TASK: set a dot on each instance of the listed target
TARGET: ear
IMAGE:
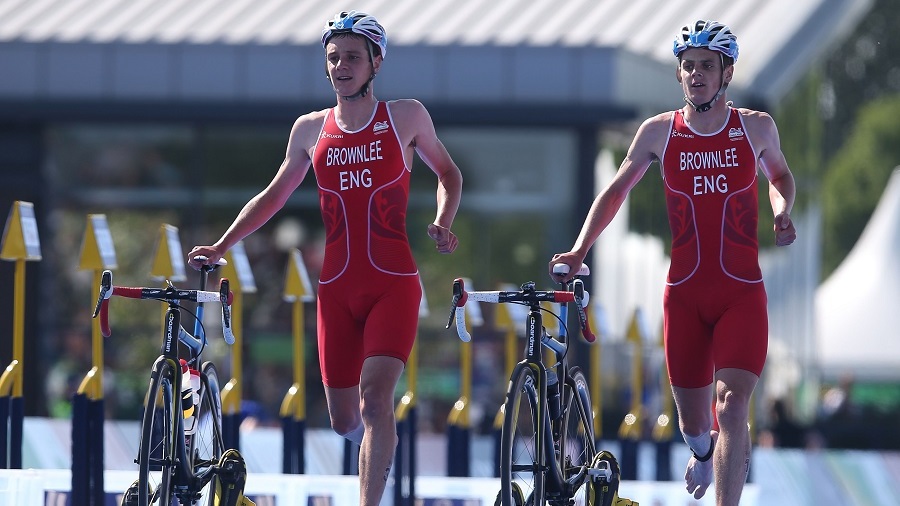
(678, 74)
(376, 64)
(729, 74)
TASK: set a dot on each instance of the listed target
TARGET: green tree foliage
(838, 129)
(800, 128)
(857, 176)
(862, 69)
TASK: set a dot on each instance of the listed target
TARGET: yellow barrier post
(97, 255)
(459, 423)
(168, 261)
(663, 430)
(510, 318)
(241, 278)
(600, 324)
(405, 416)
(298, 291)
(20, 244)
(630, 431)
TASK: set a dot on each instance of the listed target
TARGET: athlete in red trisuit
(362, 152)
(715, 321)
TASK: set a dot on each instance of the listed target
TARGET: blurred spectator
(837, 400)
(782, 429)
(842, 422)
(64, 376)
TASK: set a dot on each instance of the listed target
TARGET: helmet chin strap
(707, 105)
(363, 91)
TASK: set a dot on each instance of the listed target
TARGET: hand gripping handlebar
(170, 293)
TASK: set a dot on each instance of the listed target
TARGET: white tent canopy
(858, 306)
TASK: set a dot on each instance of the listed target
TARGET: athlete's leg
(379, 379)
(689, 358)
(695, 422)
(734, 388)
(740, 342)
(343, 410)
(340, 360)
(390, 330)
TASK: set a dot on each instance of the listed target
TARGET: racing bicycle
(547, 449)
(175, 464)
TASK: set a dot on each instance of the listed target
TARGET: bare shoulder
(650, 140)
(412, 121)
(407, 109)
(756, 120)
(312, 119)
(760, 126)
(657, 125)
(307, 127)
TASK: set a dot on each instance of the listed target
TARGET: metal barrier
(97, 255)
(459, 427)
(663, 429)
(20, 244)
(631, 430)
(509, 318)
(600, 323)
(407, 432)
(298, 291)
(241, 277)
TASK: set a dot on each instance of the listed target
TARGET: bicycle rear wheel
(521, 444)
(206, 446)
(156, 454)
(576, 438)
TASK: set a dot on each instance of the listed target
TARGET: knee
(353, 434)
(376, 406)
(345, 426)
(733, 410)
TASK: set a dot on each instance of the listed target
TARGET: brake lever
(105, 290)
(454, 303)
(582, 297)
(225, 300)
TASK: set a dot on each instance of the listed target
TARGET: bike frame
(190, 469)
(553, 469)
(185, 481)
(534, 359)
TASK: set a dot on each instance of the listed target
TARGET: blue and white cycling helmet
(707, 35)
(359, 23)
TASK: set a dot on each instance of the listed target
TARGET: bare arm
(782, 189)
(645, 148)
(269, 201)
(423, 138)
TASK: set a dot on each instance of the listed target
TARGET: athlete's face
(700, 74)
(347, 63)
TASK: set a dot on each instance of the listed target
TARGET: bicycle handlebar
(461, 296)
(225, 296)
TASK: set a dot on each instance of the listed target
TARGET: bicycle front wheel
(576, 438)
(156, 454)
(206, 446)
(521, 444)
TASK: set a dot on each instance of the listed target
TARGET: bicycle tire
(206, 444)
(522, 447)
(156, 454)
(576, 440)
